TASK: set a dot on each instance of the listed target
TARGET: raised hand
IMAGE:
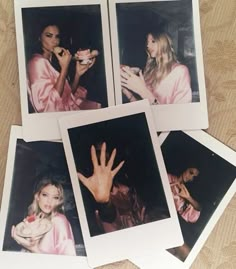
(82, 68)
(184, 193)
(64, 58)
(133, 82)
(100, 183)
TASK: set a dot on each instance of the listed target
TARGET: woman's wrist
(75, 82)
(148, 95)
(64, 70)
(131, 98)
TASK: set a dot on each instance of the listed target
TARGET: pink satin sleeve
(60, 239)
(182, 90)
(175, 88)
(42, 80)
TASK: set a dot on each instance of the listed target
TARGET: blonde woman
(164, 80)
(48, 203)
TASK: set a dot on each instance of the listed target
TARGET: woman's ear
(36, 197)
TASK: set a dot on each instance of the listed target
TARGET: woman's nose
(49, 200)
(55, 41)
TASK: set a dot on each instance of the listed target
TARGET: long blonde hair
(159, 67)
(44, 182)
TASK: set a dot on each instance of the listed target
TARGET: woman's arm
(100, 183)
(31, 244)
(136, 84)
(184, 193)
(80, 69)
(63, 238)
(64, 58)
(43, 80)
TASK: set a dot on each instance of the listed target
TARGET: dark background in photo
(136, 20)
(80, 28)
(130, 136)
(33, 160)
(180, 152)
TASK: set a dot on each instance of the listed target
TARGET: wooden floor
(218, 24)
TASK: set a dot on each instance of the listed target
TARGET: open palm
(100, 183)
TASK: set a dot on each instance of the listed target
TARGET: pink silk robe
(60, 239)
(186, 211)
(43, 96)
(175, 88)
(129, 210)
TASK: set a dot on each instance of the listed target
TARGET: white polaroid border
(21, 260)
(44, 126)
(174, 116)
(155, 235)
(17, 258)
(162, 259)
(228, 155)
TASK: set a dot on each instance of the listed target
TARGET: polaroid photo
(64, 59)
(202, 173)
(120, 183)
(38, 210)
(157, 55)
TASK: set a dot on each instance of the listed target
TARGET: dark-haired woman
(49, 90)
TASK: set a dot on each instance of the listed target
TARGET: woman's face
(152, 46)
(50, 38)
(189, 174)
(48, 199)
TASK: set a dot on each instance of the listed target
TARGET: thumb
(58, 52)
(57, 56)
(82, 178)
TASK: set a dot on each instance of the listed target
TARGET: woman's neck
(47, 55)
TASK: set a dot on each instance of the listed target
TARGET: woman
(118, 206)
(49, 90)
(164, 81)
(187, 207)
(48, 203)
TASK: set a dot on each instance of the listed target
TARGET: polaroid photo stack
(86, 25)
(85, 68)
